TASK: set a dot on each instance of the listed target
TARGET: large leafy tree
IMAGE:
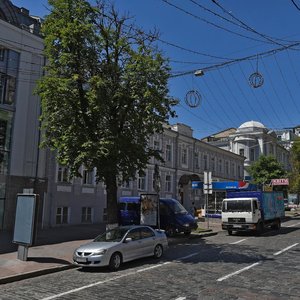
(265, 169)
(104, 92)
(294, 177)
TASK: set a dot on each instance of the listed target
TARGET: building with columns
(252, 139)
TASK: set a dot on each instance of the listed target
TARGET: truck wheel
(278, 226)
(260, 228)
(229, 232)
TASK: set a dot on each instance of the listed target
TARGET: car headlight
(100, 252)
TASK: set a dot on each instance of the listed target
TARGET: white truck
(252, 211)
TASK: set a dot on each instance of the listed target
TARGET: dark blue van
(173, 216)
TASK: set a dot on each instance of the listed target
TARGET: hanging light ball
(256, 80)
(193, 98)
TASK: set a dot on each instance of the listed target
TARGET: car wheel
(187, 233)
(230, 232)
(170, 231)
(158, 251)
(115, 261)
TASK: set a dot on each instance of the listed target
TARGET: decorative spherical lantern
(256, 80)
(193, 98)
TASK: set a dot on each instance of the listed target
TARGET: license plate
(81, 259)
(237, 226)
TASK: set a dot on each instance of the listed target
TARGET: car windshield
(177, 208)
(237, 206)
(113, 235)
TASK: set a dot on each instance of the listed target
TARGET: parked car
(174, 218)
(120, 245)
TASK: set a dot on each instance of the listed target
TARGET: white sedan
(121, 244)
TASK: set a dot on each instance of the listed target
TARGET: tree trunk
(111, 201)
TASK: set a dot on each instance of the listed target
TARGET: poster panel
(25, 219)
(149, 209)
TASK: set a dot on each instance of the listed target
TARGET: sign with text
(281, 181)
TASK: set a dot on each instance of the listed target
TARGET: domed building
(251, 139)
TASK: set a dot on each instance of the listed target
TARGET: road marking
(181, 298)
(238, 272)
(104, 281)
(238, 242)
(285, 249)
(188, 256)
(293, 225)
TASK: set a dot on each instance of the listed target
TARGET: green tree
(104, 93)
(294, 178)
(265, 169)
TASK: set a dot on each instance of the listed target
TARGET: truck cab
(240, 214)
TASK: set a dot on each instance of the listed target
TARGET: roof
(252, 124)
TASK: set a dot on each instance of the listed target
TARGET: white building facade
(22, 164)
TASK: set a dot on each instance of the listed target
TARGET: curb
(37, 273)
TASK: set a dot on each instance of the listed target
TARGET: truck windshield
(237, 205)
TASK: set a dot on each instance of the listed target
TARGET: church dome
(252, 124)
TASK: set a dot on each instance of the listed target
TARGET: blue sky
(205, 36)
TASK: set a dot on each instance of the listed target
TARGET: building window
(226, 167)
(62, 215)
(63, 174)
(142, 183)
(184, 156)
(156, 145)
(252, 158)
(126, 185)
(232, 170)
(168, 183)
(220, 166)
(7, 89)
(168, 153)
(205, 162)
(196, 158)
(87, 177)
(242, 152)
(212, 164)
(2, 54)
(86, 215)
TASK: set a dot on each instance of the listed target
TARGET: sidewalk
(54, 250)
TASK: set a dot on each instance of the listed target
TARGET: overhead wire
(270, 80)
(241, 91)
(256, 98)
(286, 85)
(233, 61)
(270, 39)
(209, 22)
(265, 94)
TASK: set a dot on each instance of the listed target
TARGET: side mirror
(127, 240)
